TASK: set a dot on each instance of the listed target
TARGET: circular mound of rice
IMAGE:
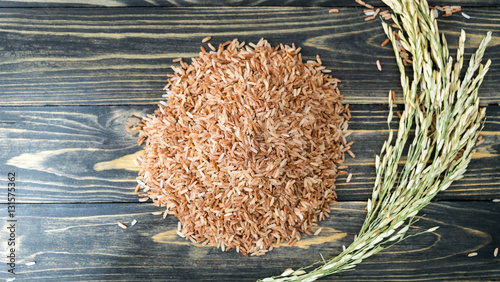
(246, 149)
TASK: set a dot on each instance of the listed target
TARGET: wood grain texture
(194, 3)
(85, 154)
(73, 73)
(106, 56)
(84, 243)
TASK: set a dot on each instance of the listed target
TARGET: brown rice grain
(351, 153)
(206, 39)
(122, 225)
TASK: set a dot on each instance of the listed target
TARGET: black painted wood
(202, 3)
(72, 74)
(107, 56)
(82, 242)
(85, 154)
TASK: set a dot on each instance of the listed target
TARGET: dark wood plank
(82, 242)
(85, 154)
(194, 3)
(106, 56)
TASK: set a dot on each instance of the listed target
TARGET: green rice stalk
(445, 113)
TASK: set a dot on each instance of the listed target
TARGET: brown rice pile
(246, 149)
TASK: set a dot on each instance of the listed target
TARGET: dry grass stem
(442, 108)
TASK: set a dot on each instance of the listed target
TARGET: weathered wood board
(85, 154)
(204, 3)
(112, 56)
(73, 74)
(83, 242)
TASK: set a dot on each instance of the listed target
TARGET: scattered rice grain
(351, 153)
(206, 39)
(472, 254)
(318, 231)
(134, 222)
(122, 225)
(348, 179)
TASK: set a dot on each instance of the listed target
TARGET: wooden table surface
(72, 74)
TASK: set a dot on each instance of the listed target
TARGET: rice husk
(245, 152)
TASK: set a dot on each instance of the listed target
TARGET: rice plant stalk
(443, 109)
